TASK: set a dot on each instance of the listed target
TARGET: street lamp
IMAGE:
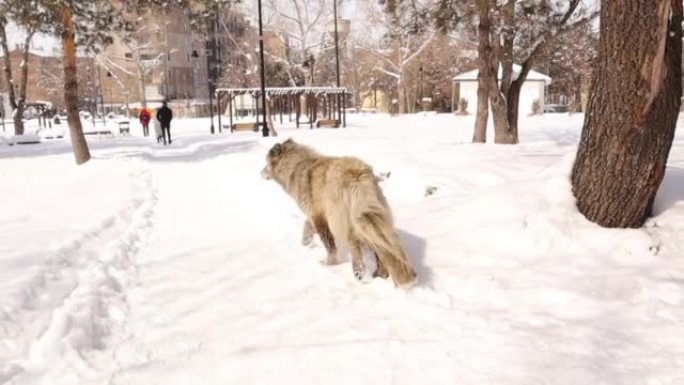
(263, 72)
(101, 92)
(420, 72)
(212, 68)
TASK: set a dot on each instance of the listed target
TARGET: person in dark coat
(164, 116)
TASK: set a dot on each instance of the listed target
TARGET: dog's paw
(329, 261)
(362, 273)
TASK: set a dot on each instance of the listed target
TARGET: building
(46, 77)
(163, 60)
(534, 89)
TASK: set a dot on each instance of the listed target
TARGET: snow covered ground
(180, 265)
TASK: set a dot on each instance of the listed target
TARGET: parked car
(555, 108)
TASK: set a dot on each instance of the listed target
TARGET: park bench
(124, 127)
(333, 123)
(245, 127)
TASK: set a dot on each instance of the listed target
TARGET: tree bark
(141, 85)
(632, 111)
(484, 75)
(9, 80)
(505, 130)
(18, 114)
(8, 65)
(78, 141)
(401, 95)
(577, 102)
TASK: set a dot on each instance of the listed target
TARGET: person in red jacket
(145, 121)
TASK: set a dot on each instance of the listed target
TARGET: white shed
(465, 87)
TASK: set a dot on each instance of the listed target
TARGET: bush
(463, 106)
(536, 107)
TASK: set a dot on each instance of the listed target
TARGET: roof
(284, 91)
(531, 76)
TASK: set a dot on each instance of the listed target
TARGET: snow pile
(180, 265)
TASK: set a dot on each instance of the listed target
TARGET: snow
(180, 265)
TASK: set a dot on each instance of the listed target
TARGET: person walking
(145, 121)
(164, 116)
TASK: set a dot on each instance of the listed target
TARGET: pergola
(289, 99)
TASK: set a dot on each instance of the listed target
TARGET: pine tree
(88, 24)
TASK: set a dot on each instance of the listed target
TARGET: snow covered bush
(463, 106)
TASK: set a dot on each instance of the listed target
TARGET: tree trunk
(484, 75)
(502, 128)
(271, 125)
(18, 114)
(141, 86)
(17, 110)
(401, 95)
(632, 111)
(78, 141)
(503, 56)
(577, 102)
(8, 67)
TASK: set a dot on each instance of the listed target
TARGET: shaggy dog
(343, 202)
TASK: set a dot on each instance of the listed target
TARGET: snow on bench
(21, 139)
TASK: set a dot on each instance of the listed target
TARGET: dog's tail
(372, 222)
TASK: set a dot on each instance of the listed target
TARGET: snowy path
(69, 308)
(199, 277)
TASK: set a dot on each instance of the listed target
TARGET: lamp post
(101, 92)
(420, 71)
(263, 73)
(212, 67)
(2, 113)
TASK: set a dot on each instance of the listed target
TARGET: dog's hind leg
(358, 267)
(381, 270)
(307, 233)
(321, 226)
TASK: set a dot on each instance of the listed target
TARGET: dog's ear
(289, 141)
(276, 150)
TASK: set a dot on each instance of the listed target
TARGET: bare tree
(406, 35)
(300, 26)
(568, 61)
(632, 112)
(517, 30)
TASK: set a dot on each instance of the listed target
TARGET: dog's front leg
(321, 226)
(307, 233)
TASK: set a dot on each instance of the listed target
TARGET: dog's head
(274, 156)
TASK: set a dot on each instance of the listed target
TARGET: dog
(157, 130)
(343, 203)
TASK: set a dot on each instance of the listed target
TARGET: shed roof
(531, 76)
